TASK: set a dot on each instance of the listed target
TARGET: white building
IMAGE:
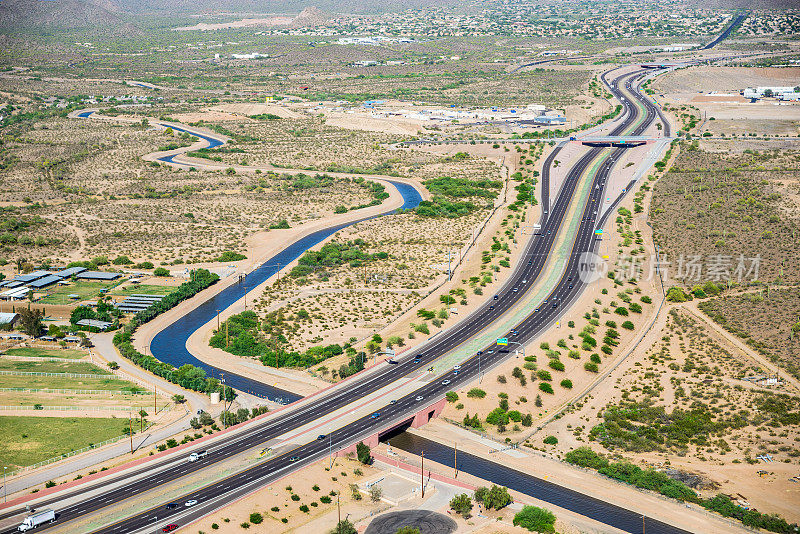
(758, 92)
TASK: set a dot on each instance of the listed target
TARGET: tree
(178, 399)
(30, 321)
(461, 504)
(344, 527)
(160, 271)
(375, 493)
(407, 530)
(535, 519)
(362, 453)
(495, 497)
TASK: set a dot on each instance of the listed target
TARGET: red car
(169, 528)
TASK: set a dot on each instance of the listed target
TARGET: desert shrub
(586, 457)
(535, 519)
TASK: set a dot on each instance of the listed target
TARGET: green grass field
(142, 289)
(84, 290)
(52, 367)
(50, 382)
(27, 440)
(30, 352)
(21, 398)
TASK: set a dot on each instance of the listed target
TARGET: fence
(57, 375)
(75, 408)
(41, 359)
(75, 391)
(55, 459)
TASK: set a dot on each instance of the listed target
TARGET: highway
(531, 266)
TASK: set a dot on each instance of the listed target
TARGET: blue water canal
(169, 345)
(605, 512)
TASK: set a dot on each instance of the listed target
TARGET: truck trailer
(33, 521)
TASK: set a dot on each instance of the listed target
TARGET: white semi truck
(33, 521)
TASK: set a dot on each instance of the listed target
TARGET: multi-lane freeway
(639, 113)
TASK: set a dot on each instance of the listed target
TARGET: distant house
(549, 120)
(7, 318)
(94, 323)
(97, 275)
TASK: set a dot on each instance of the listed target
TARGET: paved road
(536, 253)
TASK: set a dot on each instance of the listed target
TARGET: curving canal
(169, 345)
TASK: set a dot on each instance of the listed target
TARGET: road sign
(599, 231)
(502, 341)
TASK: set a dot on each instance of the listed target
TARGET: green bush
(586, 457)
(550, 440)
(546, 387)
(535, 519)
(256, 518)
(476, 393)
(566, 383)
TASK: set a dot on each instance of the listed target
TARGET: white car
(191, 503)
(419, 397)
(445, 382)
(457, 367)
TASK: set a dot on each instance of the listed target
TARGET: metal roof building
(97, 275)
(102, 325)
(8, 317)
(67, 273)
(44, 282)
(30, 277)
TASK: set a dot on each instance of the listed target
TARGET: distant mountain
(71, 14)
(166, 8)
(310, 17)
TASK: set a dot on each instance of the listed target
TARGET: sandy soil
(257, 109)
(244, 23)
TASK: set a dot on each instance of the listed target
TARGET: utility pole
(130, 429)
(227, 339)
(449, 272)
(155, 400)
(5, 489)
(218, 320)
(422, 472)
(455, 460)
(339, 510)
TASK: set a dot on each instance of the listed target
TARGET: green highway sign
(502, 341)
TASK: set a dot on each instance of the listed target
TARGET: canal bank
(169, 345)
(554, 483)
